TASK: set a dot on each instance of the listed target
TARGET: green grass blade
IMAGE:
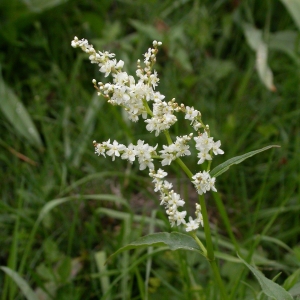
(16, 113)
(136, 218)
(53, 203)
(85, 138)
(100, 258)
(22, 284)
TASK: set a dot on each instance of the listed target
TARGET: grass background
(92, 206)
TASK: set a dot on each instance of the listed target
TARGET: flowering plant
(140, 99)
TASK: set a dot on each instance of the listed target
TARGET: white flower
(203, 155)
(129, 153)
(107, 67)
(120, 96)
(167, 185)
(147, 55)
(158, 97)
(161, 174)
(212, 184)
(158, 186)
(197, 125)
(179, 217)
(203, 142)
(100, 149)
(146, 162)
(175, 201)
(216, 148)
(192, 225)
(198, 213)
(120, 64)
(190, 113)
(106, 55)
(154, 79)
(144, 152)
(120, 78)
(115, 147)
(167, 158)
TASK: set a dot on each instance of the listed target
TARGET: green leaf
(55, 202)
(286, 42)
(293, 6)
(173, 240)
(255, 40)
(100, 258)
(269, 287)
(22, 284)
(295, 290)
(292, 280)
(16, 113)
(147, 30)
(87, 129)
(64, 269)
(220, 169)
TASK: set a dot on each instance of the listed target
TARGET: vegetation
(64, 210)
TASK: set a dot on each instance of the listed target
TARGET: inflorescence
(135, 96)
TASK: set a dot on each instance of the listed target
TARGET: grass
(64, 210)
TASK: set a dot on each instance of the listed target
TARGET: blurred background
(64, 210)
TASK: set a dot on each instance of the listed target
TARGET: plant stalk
(210, 249)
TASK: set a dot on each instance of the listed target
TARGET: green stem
(149, 111)
(168, 137)
(209, 244)
(210, 249)
(184, 168)
(199, 243)
(219, 280)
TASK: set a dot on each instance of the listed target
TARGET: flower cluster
(204, 144)
(172, 202)
(175, 150)
(203, 182)
(138, 97)
(103, 59)
(142, 151)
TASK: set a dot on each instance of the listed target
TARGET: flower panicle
(139, 98)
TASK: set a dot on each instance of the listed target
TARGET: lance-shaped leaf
(217, 171)
(269, 287)
(174, 240)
